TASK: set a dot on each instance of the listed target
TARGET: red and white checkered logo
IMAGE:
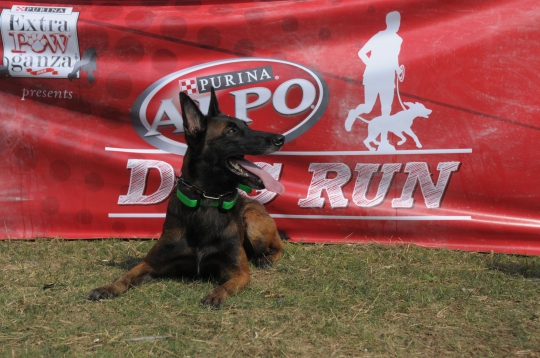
(189, 86)
(20, 8)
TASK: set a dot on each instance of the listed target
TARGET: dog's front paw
(213, 300)
(100, 293)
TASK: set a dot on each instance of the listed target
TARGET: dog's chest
(215, 235)
(209, 229)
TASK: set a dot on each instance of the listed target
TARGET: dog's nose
(279, 140)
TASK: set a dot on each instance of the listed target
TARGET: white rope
(400, 78)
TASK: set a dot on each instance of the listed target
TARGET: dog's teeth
(239, 170)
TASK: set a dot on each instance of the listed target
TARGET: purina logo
(271, 95)
(42, 9)
(189, 86)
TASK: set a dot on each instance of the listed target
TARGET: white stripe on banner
(315, 217)
(335, 153)
(367, 152)
(142, 151)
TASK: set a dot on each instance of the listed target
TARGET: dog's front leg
(236, 277)
(170, 254)
(136, 276)
(413, 136)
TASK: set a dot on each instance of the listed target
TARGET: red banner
(404, 121)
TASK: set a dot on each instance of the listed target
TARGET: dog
(398, 124)
(209, 229)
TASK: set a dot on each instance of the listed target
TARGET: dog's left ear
(194, 120)
(408, 104)
(213, 109)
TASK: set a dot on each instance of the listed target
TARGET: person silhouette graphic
(380, 55)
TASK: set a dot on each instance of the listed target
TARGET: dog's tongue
(269, 182)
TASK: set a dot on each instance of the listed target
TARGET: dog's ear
(213, 109)
(194, 120)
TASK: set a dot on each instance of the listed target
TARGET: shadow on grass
(525, 269)
(128, 262)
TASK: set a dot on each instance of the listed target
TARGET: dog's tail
(363, 120)
(283, 236)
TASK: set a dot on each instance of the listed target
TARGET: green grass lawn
(319, 301)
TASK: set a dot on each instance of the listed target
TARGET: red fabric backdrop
(90, 138)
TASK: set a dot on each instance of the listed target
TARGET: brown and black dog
(208, 228)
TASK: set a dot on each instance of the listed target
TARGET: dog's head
(217, 144)
(418, 109)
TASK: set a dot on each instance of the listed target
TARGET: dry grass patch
(320, 300)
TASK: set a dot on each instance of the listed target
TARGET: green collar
(225, 201)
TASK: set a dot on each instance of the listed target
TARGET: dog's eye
(231, 130)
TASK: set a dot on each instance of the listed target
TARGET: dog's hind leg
(169, 254)
(351, 117)
(369, 140)
(262, 235)
(401, 136)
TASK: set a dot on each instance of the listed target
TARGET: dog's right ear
(194, 120)
(213, 108)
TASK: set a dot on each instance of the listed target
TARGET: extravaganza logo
(40, 41)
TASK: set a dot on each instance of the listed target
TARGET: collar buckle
(194, 200)
(214, 198)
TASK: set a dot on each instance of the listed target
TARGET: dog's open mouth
(254, 174)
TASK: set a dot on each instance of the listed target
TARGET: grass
(319, 301)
